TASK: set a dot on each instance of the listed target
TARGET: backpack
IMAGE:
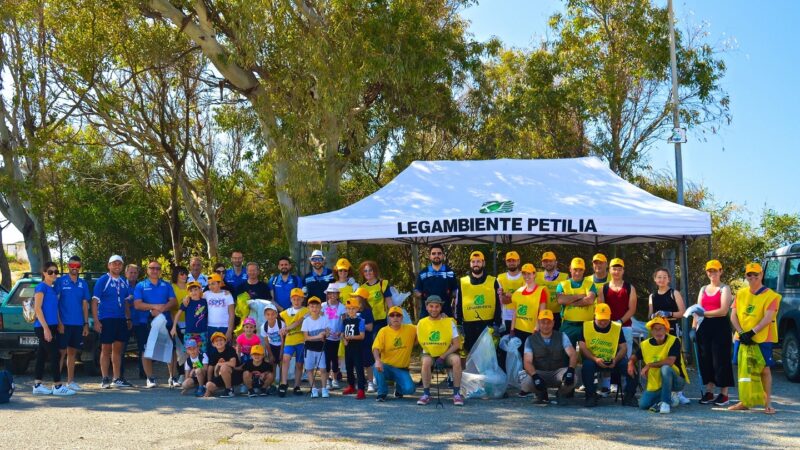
(6, 386)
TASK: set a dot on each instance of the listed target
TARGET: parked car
(782, 274)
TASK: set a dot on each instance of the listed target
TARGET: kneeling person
(549, 361)
(392, 351)
(222, 363)
(258, 373)
(664, 367)
(194, 368)
(440, 345)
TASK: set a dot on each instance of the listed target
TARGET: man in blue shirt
(437, 279)
(237, 274)
(73, 310)
(140, 319)
(112, 320)
(155, 296)
(319, 278)
(282, 283)
(196, 272)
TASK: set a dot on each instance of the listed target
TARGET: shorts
(446, 360)
(314, 360)
(113, 330)
(296, 351)
(276, 353)
(236, 379)
(200, 338)
(72, 337)
(766, 352)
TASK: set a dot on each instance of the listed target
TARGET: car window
(771, 274)
(792, 273)
(23, 292)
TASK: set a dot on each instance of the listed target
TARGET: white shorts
(314, 360)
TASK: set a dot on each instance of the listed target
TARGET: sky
(749, 162)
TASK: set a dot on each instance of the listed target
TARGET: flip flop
(738, 407)
(769, 410)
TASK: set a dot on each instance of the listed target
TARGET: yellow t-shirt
(396, 345)
(180, 294)
(295, 335)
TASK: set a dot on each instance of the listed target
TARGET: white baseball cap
(317, 254)
(332, 288)
(115, 258)
(270, 306)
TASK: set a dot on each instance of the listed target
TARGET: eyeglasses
(395, 315)
(220, 271)
(154, 268)
(367, 270)
(751, 274)
(186, 274)
(52, 272)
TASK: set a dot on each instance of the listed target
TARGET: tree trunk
(173, 213)
(5, 270)
(288, 208)
(35, 244)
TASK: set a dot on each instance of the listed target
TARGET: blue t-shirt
(366, 314)
(315, 285)
(70, 299)
(442, 282)
(281, 289)
(196, 316)
(111, 294)
(155, 294)
(49, 304)
(232, 281)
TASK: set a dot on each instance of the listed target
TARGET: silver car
(782, 274)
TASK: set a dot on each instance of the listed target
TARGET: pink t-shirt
(711, 302)
(246, 344)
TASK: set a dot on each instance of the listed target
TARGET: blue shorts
(296, 351)
(113, 330)
(766, 352)
(72, 337)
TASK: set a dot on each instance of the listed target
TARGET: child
(315, 332)
(258, 373)
(194, 369)
(365, 312)
(333, 310)
(221, 312)
(353, 335)
(272, 333)
(293, 341)
(246, 340)
(222, 361)
(196, 309)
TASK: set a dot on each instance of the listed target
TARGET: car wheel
(20, 363)
(791, 355)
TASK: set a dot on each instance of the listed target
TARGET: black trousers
(714, 349)
(47, 351)
(472, 331)
(332, 356)
(354, 362)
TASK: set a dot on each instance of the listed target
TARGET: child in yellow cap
(258, 373)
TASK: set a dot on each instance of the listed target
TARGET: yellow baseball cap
(476, 255)
(548, 256)
(528, 268)
(617, 262)
(352, 302)
(218, 335)
(658, 321)
(599, 257)
(714, 264)
(216, 278)
(753, 267)
(297, 292)
(314, 299)
(342, 264)
(257, 350)
(360, 292)
(577, 263)
(395, 310)
(546, 314)
(193, 284)
(512, 255)
(602, 312)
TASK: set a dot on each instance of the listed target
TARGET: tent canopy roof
(577, 201)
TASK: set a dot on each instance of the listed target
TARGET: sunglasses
(52, 272)
(751, 274)
(74, 265)
(154, 268)
(220, 271)
(395, 315)
(316, 259)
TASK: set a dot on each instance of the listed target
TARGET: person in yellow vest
(753, 317)
(509, 281)
(664, 368)
(380, 297)
(477, 303)
(550, 278)
(293, 344)
(438, 337)
(549, 361)
(577, 297)
(603, 348)
(392, 352)
(526, 302)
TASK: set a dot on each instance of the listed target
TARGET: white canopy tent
(568, 201)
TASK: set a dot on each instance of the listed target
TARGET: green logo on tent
(398, 342)
(434, 337)
(479, 300)
(497, 207)
(523, 310)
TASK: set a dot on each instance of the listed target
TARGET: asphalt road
(162, 418)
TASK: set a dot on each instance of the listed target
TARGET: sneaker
(243, 389)
(360, 395)
(334, 384)
(580, 388)
(227, 393)
(721, 400)
(523, 394)
(349, 390)
(151, 383)
(604, 392)
(338, 377)
(252, 393)
(707, 399)
(424, 400)
(74, 386)
(105, 383)
(591, 401)
(380, 398)
(42, 390)
(122, 383)
(675, 399)
(542, 399)
(329, 384)
(682, 399)
(325, 393)
(181, 379)
(173, 382)
(298, 391)
(63, 391)
(458, 400)
(272, 390)
(200, 391)
(370, 387)
(630, 400)
(664, 409)
(282, 390)
(655, 407)
(314, 393)
(613, 389)
(397, 394)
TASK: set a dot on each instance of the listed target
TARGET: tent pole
(684, 260)
(494, 255)
(415, 266)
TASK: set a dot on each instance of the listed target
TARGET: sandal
(738, 407)
(769, 410)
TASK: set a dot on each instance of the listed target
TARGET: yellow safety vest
(602, 345)
(552, 302)
(578, 313)
(295, 335)
(527, 308)
(655, 353)
(478, 301)
(751, 309)
(376, 299)
(435, 336)
(509, 286)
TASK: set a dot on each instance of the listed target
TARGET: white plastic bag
(513, 361)
(398, 297)
(483, 378)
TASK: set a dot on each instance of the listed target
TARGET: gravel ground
(162, 418)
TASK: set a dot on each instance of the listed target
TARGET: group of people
(315, 322)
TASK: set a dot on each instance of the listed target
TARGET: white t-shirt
(192, 363)
(272, 333)
(333, 314)
(508, 314)
(218, 308)
(314, 326)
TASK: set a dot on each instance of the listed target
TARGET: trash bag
(751, 363)
(482, 377)
(398, 297)
(511, 346)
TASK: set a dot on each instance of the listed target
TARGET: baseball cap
(331, 288)
(271, 306)
(193, 284)
(115, 258)
(658, 321)
(577, 263)
(602, 312)
(548, 256)
(215, 277)
(218, 335)
(316, 254)
(434, 299)
(190, 343)
(395, 310)
(257, 350)
(528, 268)
(546, 314)
(297, 292)
(352, 302)
(714, 264)
(360, 292)
(599, 257)
(476, 255)
(343, 264)
(314, 299)
(617, 262)
(512, 255)
(753, 267)
(249, 321)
